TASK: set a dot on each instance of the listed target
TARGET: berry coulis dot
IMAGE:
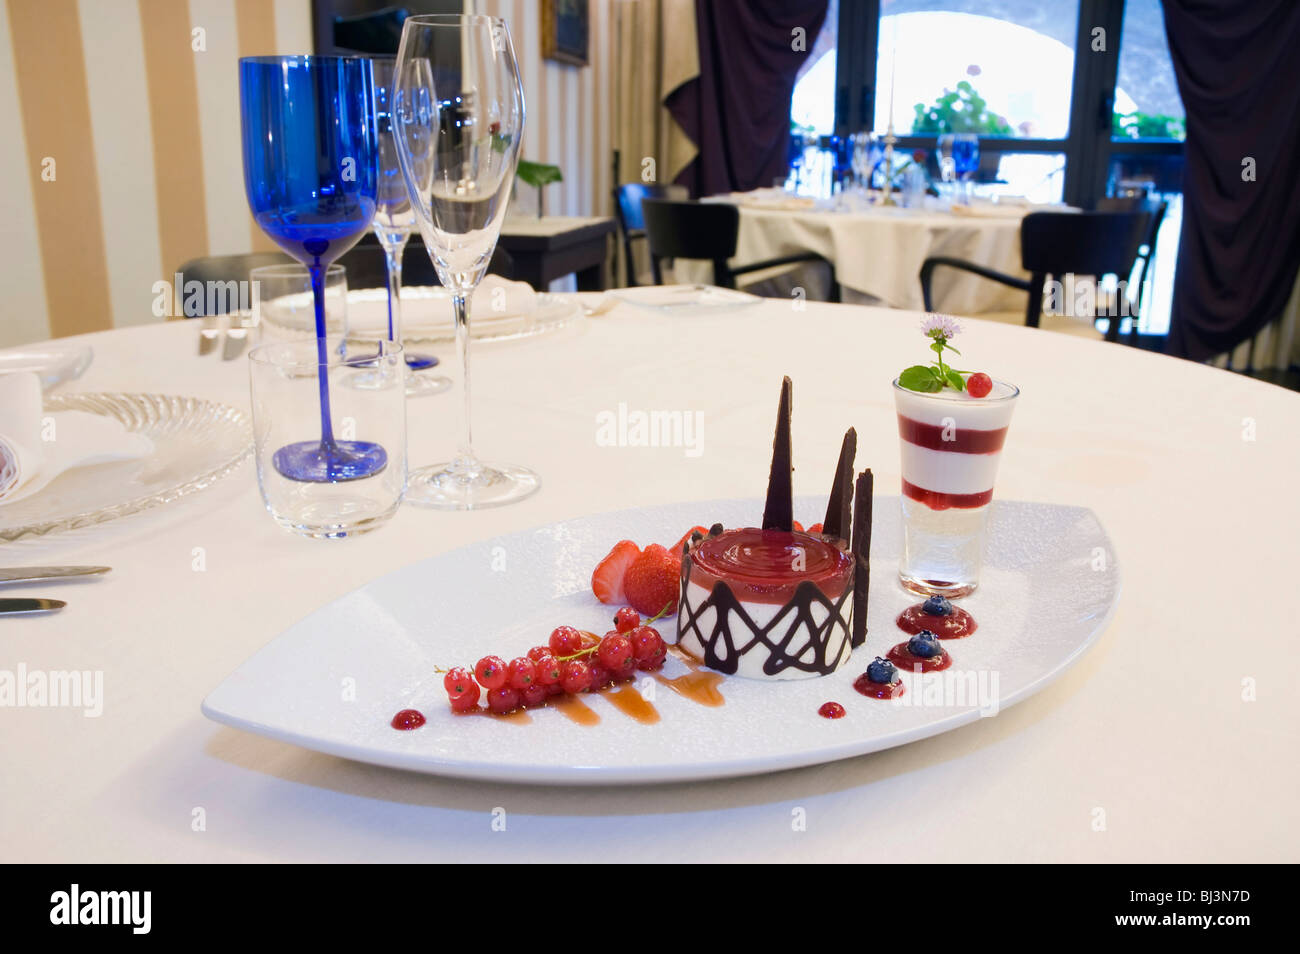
(408, 719)
(831, 710)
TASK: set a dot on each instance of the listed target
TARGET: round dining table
(1172, 739)
(877, 251)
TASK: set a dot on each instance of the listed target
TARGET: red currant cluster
(572, 661)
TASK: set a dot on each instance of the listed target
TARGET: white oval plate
(685, 299)
(1040, 605)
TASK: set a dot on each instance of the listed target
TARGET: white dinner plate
(333, 681)
(685, 299)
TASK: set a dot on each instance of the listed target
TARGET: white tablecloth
(877, 253)
(1190, 469)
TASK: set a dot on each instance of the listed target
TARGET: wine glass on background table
(310, 173)
(458, 145)
(966, 159)
(394, 220)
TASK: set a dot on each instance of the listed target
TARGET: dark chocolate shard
(861, 549)
(839, 509)
(778, 514)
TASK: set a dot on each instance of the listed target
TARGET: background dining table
(1172, 739)
(877, 250)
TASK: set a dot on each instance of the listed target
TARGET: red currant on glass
(648, 647)
(627, 619)
(979, 384)
(615, 653)
(534, 695)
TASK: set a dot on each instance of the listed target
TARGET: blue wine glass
(310, 172)
(966, 158)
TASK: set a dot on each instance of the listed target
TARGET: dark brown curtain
(737, 111)
(1238, 69)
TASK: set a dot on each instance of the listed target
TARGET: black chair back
(698, 230)
(1079, 243)
(223, 269)
(631, 221)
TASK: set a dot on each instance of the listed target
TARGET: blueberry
(937, 606)
(882, 670)
(924, 644)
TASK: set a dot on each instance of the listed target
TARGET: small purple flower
(940, 326)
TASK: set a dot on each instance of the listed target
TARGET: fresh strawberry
(815, 528)
(607, 580)
(676, 548)
(797, 525)
(652, 581)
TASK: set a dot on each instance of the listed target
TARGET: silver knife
(37, 574)
(13, 606)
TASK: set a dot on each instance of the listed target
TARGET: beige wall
(143, 131)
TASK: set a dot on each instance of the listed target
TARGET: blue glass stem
(317, 271)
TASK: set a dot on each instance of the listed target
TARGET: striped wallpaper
(122, 158)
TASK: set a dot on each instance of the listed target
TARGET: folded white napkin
(36, 447)
(430, 314)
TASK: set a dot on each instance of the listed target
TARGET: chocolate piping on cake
(778, 514)
(839, 509)
(861, 550)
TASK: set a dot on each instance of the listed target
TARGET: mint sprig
(930, 378)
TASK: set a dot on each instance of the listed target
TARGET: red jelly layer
(767, 566)
(936, 500)
(957, 626)
(878, 690)
(906, 660)
(959, 440)
(408, 719)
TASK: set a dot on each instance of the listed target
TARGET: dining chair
(1056, 244)
(365, 264)
(631, 223)
(1145, 267)
(709, 231)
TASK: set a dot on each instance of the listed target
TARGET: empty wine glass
(310, 154)
(394, 220)
(458, 145)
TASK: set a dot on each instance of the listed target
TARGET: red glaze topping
(957, 626)
(907, 661)
(831, 710)
(767, 566)
(408, 719)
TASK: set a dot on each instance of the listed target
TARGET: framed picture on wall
(566, 27)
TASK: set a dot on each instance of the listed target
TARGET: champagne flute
(458, 145)
(394, 220)
(310, 154)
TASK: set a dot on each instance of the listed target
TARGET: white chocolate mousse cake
(767, 604)
(773, 602)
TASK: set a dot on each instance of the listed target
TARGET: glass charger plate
(427, 316)
(196, 443)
